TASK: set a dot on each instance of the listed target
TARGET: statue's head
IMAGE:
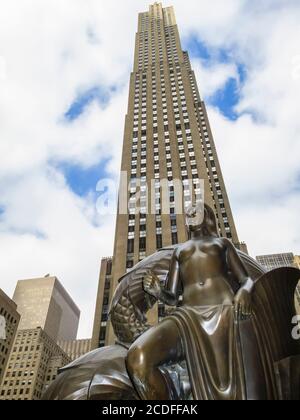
(201, 216)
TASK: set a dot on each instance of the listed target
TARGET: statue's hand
(243, 305)
(152, 285)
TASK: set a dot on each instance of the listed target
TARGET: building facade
(272, 261)
(277, 260)
(43, 302)
(33, 364)
(9, 321)
(168, 147)
(102, 304)
(76, 348)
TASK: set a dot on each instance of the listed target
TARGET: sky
(64, 77)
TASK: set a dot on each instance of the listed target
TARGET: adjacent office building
(277, 260)
(75, 348)
(167, 139)
(33, 365)
(48, 314)
(43, 302)
(104, 294)
(9, 321)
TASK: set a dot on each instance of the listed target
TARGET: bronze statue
(228, 338)
(204, 330)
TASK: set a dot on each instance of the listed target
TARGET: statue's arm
(238, 268)
(170, 294)
(242, 300)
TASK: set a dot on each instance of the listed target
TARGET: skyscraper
(167, 139)
(44, 303)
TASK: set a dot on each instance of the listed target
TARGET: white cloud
(52, 50)
(212, 78)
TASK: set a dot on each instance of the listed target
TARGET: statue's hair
(210, 221)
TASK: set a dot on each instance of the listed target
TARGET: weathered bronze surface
(228, 338)
(99, 375)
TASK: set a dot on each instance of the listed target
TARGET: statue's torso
(204, 273)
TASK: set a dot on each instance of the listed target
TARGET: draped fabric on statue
(223, 356)
(212, 352)
(255, 359)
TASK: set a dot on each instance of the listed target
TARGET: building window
(142, 244)
(158, 241)
(130, 246)
(102, 334)
(174, 238)
(109, 268)
(129, 264)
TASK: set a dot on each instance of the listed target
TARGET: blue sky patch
(242, 70)
(228, 97)
(83, 180)
(209, 55)
(84, 99)
(197, 49)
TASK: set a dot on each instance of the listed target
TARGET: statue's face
(195, 216)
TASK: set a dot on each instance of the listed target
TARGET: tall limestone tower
(167, 139)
